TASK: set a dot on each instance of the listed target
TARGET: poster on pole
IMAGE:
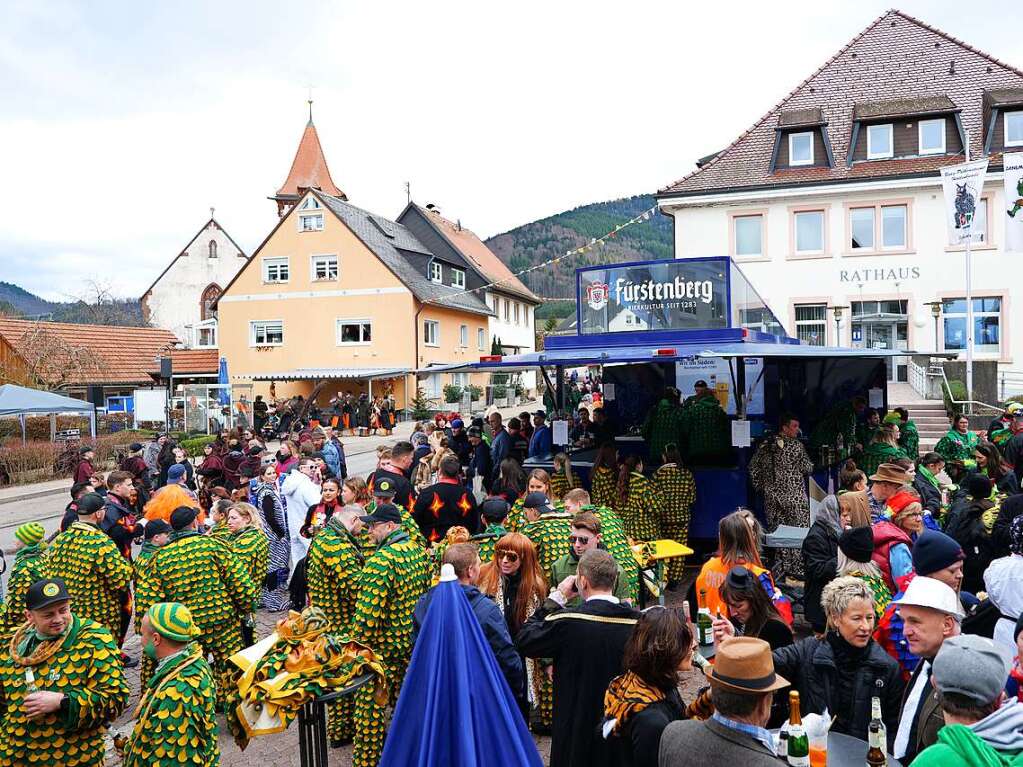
(1013, 164)
(717, 374)
(962, 186)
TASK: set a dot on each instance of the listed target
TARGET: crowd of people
(910, 564)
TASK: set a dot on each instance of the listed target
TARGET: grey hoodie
(1003, 729)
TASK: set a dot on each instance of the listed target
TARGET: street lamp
(837, 311)
(936, 314)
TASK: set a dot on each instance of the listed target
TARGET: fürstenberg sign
(663, 295)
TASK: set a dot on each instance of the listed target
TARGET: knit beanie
(857, 543)
(978, 486)
(892, 417)
(898, 502)
(935, 551)
(30, 533)
(173, 620)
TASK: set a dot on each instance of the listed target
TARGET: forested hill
(99, 308)
(541, 240)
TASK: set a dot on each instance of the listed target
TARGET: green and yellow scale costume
(677, 490)
(549, 534)
(956, 447)
(641, 510)
(561, 484)
(203, 574)
(176, 720)
(141, 565)
(334, 566)
(85, 665)
(487, 541)
(220, 530)
(604, 488)
(612, 533)
(516, 518)
(252, 548)
(408, 524)
(27, 569)
(95, 572)
(391, 583)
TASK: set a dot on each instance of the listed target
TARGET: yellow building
(339, 296)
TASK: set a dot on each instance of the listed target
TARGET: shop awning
(667, 353)
(319, 374)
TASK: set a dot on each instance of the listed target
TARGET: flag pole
(969, 302)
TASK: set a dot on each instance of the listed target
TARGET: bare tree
(45, 359)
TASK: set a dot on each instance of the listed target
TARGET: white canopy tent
(21, 401)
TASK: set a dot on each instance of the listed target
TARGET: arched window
(213, 248)
(211, 294)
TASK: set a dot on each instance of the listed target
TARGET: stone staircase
(931, 421)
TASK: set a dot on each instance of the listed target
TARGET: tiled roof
(309, 168)
(213, 221)
(387, 239)
(876, 110)
(791, 118)
(479, 255)
(194, 361)
(1004, 97)
(111, 354)
(896, 55)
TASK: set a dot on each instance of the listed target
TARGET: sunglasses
(583, 539)
(511, 556)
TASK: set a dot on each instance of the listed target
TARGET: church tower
(308, 171)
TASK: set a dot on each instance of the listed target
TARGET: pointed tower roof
(309, 168)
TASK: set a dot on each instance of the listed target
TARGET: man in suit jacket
(586, 644)
(742, 686)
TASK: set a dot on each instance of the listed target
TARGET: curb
(34, 494)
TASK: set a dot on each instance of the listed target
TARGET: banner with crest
(1013, 164)
(963, 185)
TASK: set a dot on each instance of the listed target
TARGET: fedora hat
(890, 472)
(745, 664)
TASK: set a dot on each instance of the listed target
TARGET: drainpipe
(415, 350)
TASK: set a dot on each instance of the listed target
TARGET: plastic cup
(819, 750)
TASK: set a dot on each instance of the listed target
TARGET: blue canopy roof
(16, 400)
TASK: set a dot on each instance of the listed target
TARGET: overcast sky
(121, 123)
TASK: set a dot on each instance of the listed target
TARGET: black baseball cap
(385, 512)
(156, 527)
(384, 488)
(700, 383)
(535, 500)
(46, 592)
(182, 517)
(495, 509)
(90, 503)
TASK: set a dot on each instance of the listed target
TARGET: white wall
(927, 270)
(522, 335)
(174, 302)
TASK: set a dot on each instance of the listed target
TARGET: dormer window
(932, 136)
(436, 272)
(458, 278)
(311, 203)
(801, 148)
(1014, 128)
(879, 142)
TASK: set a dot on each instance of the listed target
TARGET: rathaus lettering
(880, 275)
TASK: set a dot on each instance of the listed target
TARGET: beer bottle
(877, 736)
(704, 624)
(799, 744)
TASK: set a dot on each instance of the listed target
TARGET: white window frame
(458, 278)
(507, 311)
(318, 217)
(977, 314)
(278, 261)
(311, 203)
(360, 321)
(824, 231)
(515, 312)
(256, 325)
(797, 163)
(920, 136)
(315, 259)
(197, 332)
(871, 154)
(873, 229)
(905, 227)
(431, 328)
(735, 235)
(1016, 115)
(821, 323)
(436, 272)
(481, 339)
(463, 336)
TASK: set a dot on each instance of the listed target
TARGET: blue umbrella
(223, 395)
(455, 706)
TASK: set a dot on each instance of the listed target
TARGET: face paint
(150, 650)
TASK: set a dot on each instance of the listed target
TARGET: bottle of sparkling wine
(799, 744)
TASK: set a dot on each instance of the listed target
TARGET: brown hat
(890, 472)
(745, 664)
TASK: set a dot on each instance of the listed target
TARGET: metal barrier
(1010, 383)
(968, 402)
(312, 723)
(917, 378)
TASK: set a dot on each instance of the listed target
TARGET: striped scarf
(625, 696)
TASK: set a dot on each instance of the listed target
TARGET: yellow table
(656, 553)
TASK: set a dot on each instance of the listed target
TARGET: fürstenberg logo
(627, 291)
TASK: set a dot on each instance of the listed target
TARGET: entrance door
(883, 325)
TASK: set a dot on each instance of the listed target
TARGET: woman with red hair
(515, 581)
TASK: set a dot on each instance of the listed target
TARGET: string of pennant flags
(593, 244)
